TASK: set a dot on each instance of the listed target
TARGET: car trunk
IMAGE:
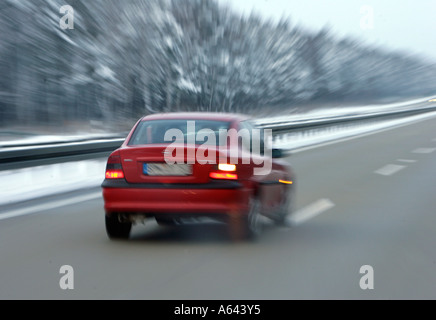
(147, 164)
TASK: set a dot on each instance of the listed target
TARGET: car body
(154, 175)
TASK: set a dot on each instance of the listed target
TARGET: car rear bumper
(218, 197)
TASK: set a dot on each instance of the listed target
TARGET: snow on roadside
(30, 183)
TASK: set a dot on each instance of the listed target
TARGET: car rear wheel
(248, 226)
(285, 210)
(253, 223)
(117, 229)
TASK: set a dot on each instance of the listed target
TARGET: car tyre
(253, 223)
(285, 211)
(116, 229)
(248, 226)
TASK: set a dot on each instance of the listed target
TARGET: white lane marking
(49, 206)
(424, 150)
(310, 212)
(390, 169)
(406, 161)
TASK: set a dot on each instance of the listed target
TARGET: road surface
(369, 201)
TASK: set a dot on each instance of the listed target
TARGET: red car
(178, 166)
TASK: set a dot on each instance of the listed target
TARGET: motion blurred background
(303, 68)
(126, 59)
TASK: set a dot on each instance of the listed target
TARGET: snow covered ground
(30, 183)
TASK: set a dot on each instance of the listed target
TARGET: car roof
(217, 116)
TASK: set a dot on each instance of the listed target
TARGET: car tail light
(114, 169)
(224, 172)
(226, 176)
(227, 167)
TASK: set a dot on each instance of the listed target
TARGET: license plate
(169, 170)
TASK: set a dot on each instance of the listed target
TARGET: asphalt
(385, 221)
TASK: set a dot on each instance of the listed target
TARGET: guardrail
(33, 155)
(286, 126)
(28, 156)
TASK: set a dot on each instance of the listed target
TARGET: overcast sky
(400, 24)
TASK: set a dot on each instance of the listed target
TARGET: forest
(126, 59)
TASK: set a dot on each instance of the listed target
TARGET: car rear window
(153, 131)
